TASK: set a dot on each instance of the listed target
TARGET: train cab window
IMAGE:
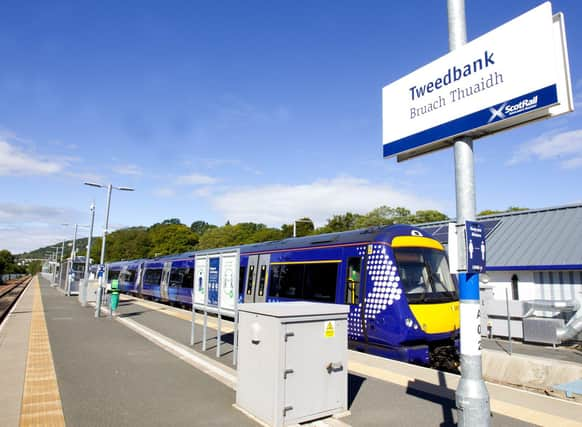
(262, 279)
(424, 275)
(241, 280)
(353, 280)
(251, 280)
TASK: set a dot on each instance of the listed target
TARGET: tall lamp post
(83, 291)
(295, 225)
(102, 260)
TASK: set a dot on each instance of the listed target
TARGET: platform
(60, 366)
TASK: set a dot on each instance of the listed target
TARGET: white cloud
(27, 227)
(196, 179)
(164, 192)
(279, 204)
(566, 147)
(127, 169)
(14, 161)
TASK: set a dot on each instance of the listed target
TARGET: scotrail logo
(506, 109)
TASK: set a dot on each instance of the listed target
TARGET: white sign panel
(503, 78)
(227, 282)
(216, 281)
(200, 281)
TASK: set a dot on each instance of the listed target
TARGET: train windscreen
(425, 275)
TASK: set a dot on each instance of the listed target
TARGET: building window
(514, 287)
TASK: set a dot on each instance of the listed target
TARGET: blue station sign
(476, 248)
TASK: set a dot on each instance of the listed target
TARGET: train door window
(262, 280)
(353, 280)
(241, 280)
(514, 287)
(251, 280)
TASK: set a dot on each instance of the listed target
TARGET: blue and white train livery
(396, 280)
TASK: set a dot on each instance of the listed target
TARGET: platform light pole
(101, 273)
(295, 225)
(73, 256)
(83, 291)
(472, 397)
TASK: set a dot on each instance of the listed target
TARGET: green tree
(384, 215)
(341, 222)
(169, 239)
(6, 261)
(427, 216)
(238, 234)
(494, 212)
(200, 227)
(34, 267)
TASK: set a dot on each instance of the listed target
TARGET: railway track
(9, 293)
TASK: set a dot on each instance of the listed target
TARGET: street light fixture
(102, 260)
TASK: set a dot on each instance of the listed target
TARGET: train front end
(421, 319)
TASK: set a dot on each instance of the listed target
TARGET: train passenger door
(257, 276)
(355, 293)
(165, 281)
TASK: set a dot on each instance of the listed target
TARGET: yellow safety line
(41, 400)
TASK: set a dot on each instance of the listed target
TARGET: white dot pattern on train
(382, 273)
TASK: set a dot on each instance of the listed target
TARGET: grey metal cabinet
(292, 361)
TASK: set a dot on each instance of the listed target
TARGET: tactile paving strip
(41, 400)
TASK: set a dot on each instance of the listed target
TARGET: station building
(535, 254)
(532, 256)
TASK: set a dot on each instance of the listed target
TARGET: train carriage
(403, 301)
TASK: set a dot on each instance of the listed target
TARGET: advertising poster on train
(213, 277)
(200, 282)
(228, 281)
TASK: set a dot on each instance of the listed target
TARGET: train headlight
(408, 322)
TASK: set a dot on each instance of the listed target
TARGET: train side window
(251, 280)
(286, 281)
(262, 280)
(241, 280)
(188, 278)
(353, 280)
(320, 281)
(153, 276)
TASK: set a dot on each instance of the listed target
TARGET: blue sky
(243, 111)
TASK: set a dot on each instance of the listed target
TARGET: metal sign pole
(236, 297)
(207, 289)
(219, 314)
(193, 313)
(472, 397)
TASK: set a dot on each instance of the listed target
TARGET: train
(403, 301)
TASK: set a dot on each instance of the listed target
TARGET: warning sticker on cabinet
(329, 330)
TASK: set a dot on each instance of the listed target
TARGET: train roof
(370, 234)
